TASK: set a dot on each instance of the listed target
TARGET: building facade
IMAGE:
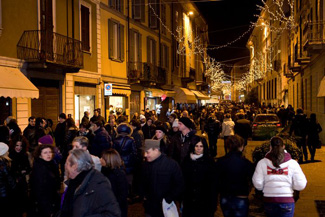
(291, 52)
(74, 56)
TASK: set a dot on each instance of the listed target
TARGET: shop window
(85, 15)
(116, 40)
(116, 4)
(83, 103)
(138, 10)
(151, 51)
(151, 104)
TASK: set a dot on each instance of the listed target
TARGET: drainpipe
(128, 39)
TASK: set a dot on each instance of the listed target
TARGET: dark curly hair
(23, 140)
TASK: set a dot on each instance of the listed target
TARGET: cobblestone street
(312, 199)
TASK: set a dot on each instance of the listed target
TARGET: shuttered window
(117, 5)
(85, 28)
(116, 40)
(135, 48)
(138, 10)
(163, 18)
(151, 51)
(153, 13)
(164, 56)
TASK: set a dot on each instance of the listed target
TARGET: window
(116, 40)
(151, 51)
(135, 47)
(138, 10)
(164, 56)
(85, 27)
(117, 5)
(153, 13)
(163, 19)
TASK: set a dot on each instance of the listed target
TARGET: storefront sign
(108, 89)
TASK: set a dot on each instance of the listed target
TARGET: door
(48, 103)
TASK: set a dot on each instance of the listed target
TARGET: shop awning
(212, 101)
(321, 91)
(14, 83)
(121, 89)
(184, 95)
(154, 92)
(200, 95)
(170, 93)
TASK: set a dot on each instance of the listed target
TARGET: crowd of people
(106, 166)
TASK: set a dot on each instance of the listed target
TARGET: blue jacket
(101, 142)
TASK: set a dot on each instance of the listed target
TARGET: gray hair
(82, 140)
(82, 158)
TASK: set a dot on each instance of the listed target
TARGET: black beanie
(161, 128)
(187, 122)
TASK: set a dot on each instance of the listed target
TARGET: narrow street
(312, 199)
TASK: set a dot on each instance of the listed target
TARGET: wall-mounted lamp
(190, 13)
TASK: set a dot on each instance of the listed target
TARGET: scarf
(67, 206)
(195, 156)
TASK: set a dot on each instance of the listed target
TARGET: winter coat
(120, 186)
(101, 142)
(200, 196)
(243, 128)
(94, 197)
(98, 118)
(139, 142)
(314, 129)
(180, 144)
(161, 179)
(213, 127)
(44, 186)
(234, 174)
(59, 135)
(279, 183)
(7, 182)
(148, 131)
(228, 127)
(299, 126)
(69, 136)
(126, 147)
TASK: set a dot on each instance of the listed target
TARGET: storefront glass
(151, 103)
(83, 103)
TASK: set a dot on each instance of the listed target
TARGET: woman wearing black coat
(20, 167)
(113, 170)
(44, 183)
(234, 175)
(314, 129)
(200, 197)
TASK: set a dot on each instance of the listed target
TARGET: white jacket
(228, 127)
(279, 182)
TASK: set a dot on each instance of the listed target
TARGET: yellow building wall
(17, 16)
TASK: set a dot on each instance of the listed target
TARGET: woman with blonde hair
(113, 169)
(161, 135)
(278, 176)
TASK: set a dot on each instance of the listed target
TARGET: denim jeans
(234, 206)
(279, 209)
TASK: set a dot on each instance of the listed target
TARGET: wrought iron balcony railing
(314, 36)
(142, 72)
(44, 46)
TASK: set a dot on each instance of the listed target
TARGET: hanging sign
(108, 89)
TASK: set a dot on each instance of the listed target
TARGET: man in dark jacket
(97, 117)
(180, 143)
(29, 132)
(85, 119)
(162, 179)
(60, 134)
(299, 128)
(243, 128)
(149, 129)
(89, 192)
(213, 128)
(102, 140)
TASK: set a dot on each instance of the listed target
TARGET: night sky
(227, 20)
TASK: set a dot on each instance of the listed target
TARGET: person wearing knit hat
(3, 148)
(161, 135)
(187, 122)
(46, 140)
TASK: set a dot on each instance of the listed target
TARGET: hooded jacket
(278, 184)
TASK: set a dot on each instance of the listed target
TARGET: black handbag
(319, 144)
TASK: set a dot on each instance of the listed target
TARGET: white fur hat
(3, 148)
(175, 123)
(142, 117)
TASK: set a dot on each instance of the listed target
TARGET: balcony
(314, 37)
(293, 64)
(287, 72)
(189, 77)
(47, 50)
(145, 73)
